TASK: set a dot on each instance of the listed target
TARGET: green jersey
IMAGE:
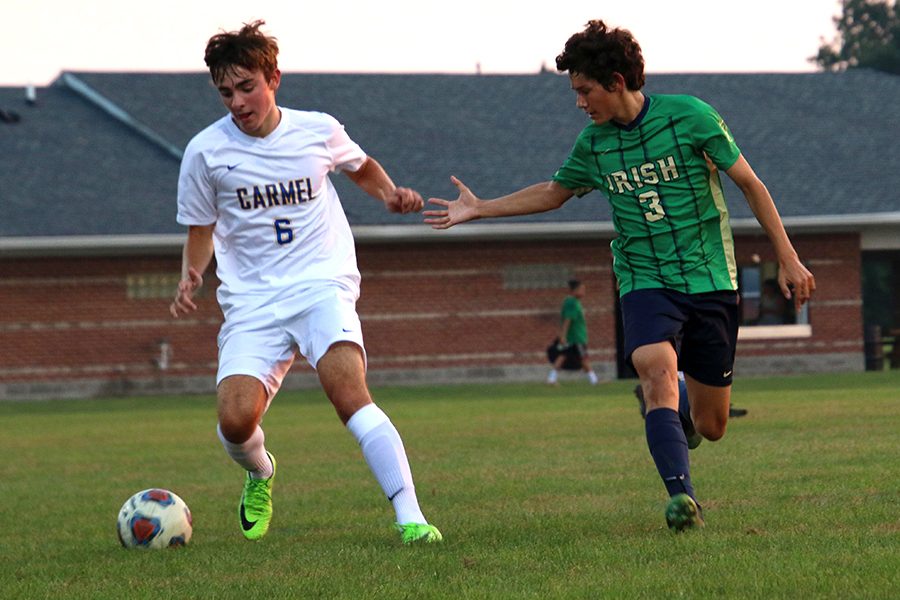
(667, 204)
(572, 310)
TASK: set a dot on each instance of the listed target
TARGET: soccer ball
(154, 518)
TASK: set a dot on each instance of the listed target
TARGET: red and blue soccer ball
(154, 518)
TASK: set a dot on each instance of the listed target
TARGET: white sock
(551, 377)
(251, 455)
(592, 377)
(383, 450)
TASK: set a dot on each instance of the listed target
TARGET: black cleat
(736, 412)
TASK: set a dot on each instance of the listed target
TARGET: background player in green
(573, 333)
(673, 257)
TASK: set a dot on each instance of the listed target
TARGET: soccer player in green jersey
(573, 334)
(673, 256)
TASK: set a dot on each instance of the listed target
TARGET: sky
(42, 38)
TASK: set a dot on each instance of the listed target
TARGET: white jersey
(280, 230)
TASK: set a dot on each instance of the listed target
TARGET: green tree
(868, 36)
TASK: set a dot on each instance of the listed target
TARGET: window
(152, 286)
(536, 277)
(764, 311)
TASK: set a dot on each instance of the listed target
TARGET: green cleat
(683, 512)
(255, 510)
(418, 533)
(693, 438)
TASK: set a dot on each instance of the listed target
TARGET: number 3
(656, 211)
(283, 232)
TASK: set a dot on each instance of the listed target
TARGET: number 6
(283, 232)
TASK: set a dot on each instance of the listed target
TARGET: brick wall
(423, 306)
(450, 305)
(71, 318)
(836, 310)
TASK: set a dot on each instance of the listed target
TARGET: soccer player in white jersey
(254, 192)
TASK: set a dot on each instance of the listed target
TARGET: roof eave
(92, 245)
(169, 243)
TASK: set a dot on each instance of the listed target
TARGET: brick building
(90, 252)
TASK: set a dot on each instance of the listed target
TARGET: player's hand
(796, 281)
(404, 200)
(464, 208)
(184, 295)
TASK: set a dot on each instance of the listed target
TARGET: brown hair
(248, 48)
(598, 52)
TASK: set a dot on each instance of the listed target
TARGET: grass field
(540, 493)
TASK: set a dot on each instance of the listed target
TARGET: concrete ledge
(795, 364)
(535, 373)
(155, 386)
(75, 389)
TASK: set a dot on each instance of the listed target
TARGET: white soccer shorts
(265, 345)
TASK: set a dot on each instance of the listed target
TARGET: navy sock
(669, 449)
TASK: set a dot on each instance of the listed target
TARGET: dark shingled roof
(824, 143)
(67, 168)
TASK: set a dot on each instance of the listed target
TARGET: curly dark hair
(248, 48)
(598, 52)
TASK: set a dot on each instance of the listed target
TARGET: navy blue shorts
(701, 327)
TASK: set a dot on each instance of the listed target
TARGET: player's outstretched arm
(795, 280)
(196, 256)
(374, 180)
(536, 198)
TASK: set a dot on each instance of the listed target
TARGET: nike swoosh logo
(230, 167)
(727, 373)
(346, 330)
(247, 525)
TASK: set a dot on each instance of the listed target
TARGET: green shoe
(683, 512)
(693, 438)
(255, 510)
(417, 533)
